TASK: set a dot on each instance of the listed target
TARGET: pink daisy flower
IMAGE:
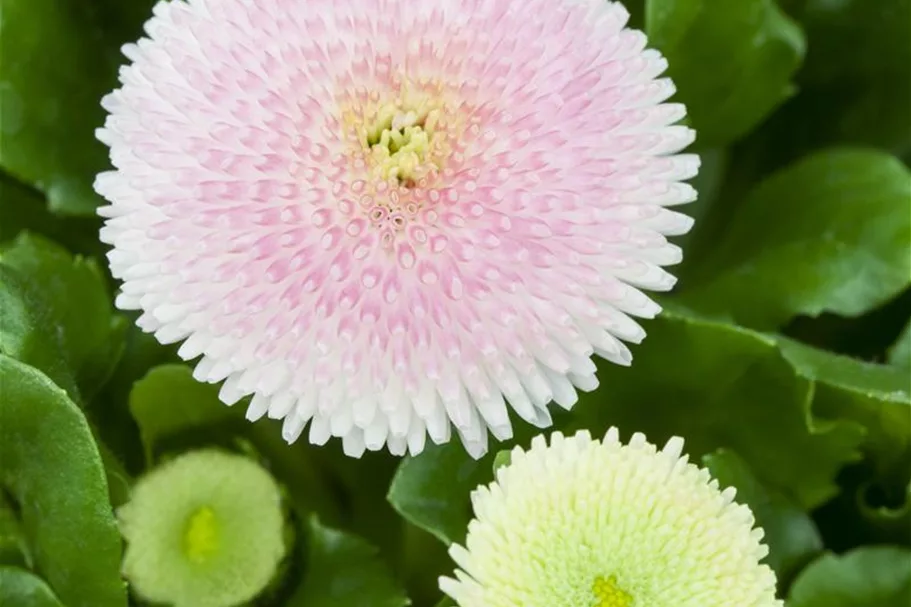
(389, 218)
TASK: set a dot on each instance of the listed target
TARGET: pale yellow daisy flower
(589, 523)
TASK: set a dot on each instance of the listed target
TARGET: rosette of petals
(389, 218)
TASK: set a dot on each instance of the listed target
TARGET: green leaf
(59, 58)
(867, 577)
(790, 534)
(51, 467)
(58, 318)
(20, 588)
(69, 309)
(431, 490)
(900, 352)
(876, 396)
(168, 403)
(880, 381)
(27, 333)
(168, 400)
(343, 569)
(827, 234)
(761, 50)
(722, 386)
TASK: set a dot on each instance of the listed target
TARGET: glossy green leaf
(343, 569)
(867, 577)
(881, 381)
(57, 317)
(761, 49)
(68, 308)
(168, 403)
(432, 490)
(790, 534)
(27, 332)
(168, 400)
(19, 588)
(876, 396)
(722, 386)
(827, 234)
(51, 467)
(59, 58)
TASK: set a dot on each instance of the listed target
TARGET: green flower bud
(203, 530)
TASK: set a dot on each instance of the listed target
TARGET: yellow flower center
(608, 594)
(402, 135)
(399, 142)
(402, 140)
(200, 539)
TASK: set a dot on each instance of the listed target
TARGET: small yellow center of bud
(200, 539)
(399, 142)
(608, 594)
